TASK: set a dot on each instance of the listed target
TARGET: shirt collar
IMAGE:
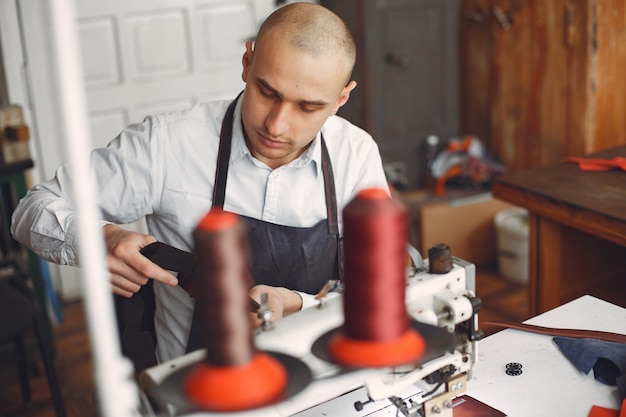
(240, 150)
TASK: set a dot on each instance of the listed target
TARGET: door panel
(149, 58)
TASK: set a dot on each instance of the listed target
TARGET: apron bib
(298, 258)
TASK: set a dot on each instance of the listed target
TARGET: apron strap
(329, 190)
(223, 155)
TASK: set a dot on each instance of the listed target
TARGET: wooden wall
(540, 80)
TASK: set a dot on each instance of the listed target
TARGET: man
(277, 156)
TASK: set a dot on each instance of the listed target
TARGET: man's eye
(309, 108)
(266, 93)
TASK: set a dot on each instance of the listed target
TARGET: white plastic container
(512, 243)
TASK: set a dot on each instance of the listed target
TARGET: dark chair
(20, 312)
(21, 307)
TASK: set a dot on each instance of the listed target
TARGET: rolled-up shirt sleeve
(45, 219)
(45, 222)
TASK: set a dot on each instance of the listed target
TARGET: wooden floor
(501, 300)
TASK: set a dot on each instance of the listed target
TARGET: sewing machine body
(442, 306)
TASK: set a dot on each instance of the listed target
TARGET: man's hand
(282, 301)
(128, 267)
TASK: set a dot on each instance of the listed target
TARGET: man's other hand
(128, 267)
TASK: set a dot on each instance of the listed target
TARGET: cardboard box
(464, 222)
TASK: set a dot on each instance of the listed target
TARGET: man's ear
(246, 61)
(344, 96)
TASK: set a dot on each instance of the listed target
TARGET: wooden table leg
(533, 276)
(544, 269)
(548, 264)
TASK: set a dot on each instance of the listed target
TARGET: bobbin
(375, 229)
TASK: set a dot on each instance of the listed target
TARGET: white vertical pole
(117, 393)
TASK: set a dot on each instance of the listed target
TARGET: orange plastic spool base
(260, 382)
(407, 348)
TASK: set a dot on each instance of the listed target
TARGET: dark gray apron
(298, 258)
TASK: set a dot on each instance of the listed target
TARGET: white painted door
(140, 57)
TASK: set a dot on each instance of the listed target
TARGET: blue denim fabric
(607, 359)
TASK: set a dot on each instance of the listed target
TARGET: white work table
(549, 384)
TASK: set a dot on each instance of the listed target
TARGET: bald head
(312, 29)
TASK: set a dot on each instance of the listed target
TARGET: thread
(223, 279)
(375, 236)
(376, 329)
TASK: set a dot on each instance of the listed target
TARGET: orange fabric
(597, 411)
(455, 146)
(441, 181)
(598, 164)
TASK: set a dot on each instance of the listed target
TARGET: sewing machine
(443, 309)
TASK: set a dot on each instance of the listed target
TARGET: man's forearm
(292, 301)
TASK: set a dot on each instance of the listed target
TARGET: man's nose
(277, 121)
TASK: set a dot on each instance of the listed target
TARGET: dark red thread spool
(376, 330)
(223, 279)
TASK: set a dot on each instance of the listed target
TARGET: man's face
(288, 97)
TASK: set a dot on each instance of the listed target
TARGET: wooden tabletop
(591, 201)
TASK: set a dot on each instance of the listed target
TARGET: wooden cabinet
(540, 80)
(406, 73)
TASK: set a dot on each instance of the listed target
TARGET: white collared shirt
(164, 169)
